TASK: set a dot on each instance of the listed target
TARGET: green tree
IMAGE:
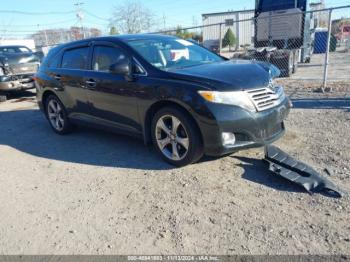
(183, 33)
(113, 31)
(229, 39)
(198, 37)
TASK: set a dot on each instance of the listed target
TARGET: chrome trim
(267, 97)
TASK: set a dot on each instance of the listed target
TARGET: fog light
(228, 139)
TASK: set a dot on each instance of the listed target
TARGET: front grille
(265, 98)
(22, 78)
(19, 69)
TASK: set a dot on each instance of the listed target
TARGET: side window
(105, 56)
(75, 58)
(54, 62)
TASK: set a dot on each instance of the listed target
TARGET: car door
(71, 75)
(112, 96)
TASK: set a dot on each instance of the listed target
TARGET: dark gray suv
(179, 96)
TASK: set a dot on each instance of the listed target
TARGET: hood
(228, 75)
(19, 58)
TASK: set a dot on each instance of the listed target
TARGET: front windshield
(173, 53)
(13, 49)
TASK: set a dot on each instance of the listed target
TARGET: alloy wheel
(55, 115)
(172, 137)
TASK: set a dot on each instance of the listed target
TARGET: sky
(61, 13)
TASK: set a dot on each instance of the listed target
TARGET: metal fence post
(220, 42)
(326, 62)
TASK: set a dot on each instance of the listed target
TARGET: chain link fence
(310, 46)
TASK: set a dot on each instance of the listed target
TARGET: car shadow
(322, 103)
(257, 171)
(28, 131)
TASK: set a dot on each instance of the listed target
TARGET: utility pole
(164, 22)
(45, 34)
(80, 16)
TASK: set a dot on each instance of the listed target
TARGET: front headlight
(235, 98)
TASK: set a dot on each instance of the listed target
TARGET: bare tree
(132, 17)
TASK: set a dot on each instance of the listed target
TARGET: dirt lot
(97, 193)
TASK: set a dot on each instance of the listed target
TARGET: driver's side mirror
(122, 67)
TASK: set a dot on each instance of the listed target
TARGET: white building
(243, 29)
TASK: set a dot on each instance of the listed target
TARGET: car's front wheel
(176, 137)
(57, 116)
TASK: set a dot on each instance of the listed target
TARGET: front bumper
(251, 129)
(16, 83)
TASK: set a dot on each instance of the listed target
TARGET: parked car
(198, 104)
(344, 33)
(18, 64)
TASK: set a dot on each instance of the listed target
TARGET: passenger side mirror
(122, 67)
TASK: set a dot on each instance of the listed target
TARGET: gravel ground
(97, 193)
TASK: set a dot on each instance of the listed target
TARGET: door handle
(91, 83)
(58, 77)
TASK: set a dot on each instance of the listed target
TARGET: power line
(36, 25)
(96, 24)
(35, 13)
(96, 16)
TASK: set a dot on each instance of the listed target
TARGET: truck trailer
(283, 34)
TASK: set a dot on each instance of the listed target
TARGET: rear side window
(105, 56)
(54, 61)
(76, 58)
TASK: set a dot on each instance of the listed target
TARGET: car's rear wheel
(176, 137)
(57, 115)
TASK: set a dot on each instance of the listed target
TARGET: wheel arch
(154, 108)
(46, 95)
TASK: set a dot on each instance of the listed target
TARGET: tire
(57, 115)
(171, 143)
(288, 66)
(3, 98)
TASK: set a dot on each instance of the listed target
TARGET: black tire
(287, 66)
(195, 145)
(66, 126)
(3, 98)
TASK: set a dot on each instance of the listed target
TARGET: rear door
(71, 75)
